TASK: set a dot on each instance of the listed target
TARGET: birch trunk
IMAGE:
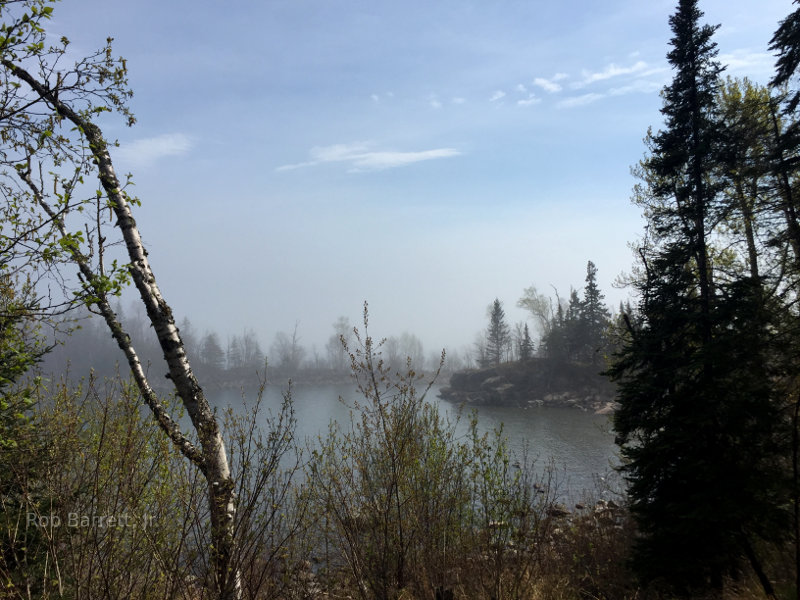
(211, 458)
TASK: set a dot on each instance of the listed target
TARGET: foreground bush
(96, 502)
(407, 508)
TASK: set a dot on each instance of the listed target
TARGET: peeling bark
(211, 458)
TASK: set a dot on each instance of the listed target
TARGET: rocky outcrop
(537, 382)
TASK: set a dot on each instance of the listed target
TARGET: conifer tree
(525, 344)
(595, 315)
(697, 416)
(498, 335)
(786, 42)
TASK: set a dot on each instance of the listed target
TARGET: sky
(295, 158)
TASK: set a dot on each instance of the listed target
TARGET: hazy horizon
(296, 159)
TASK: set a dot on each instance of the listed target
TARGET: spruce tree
(697, 416)
(498, 335)
(525, 344)
(786, 42)
(595, 316)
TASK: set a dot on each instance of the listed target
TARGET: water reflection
(580, 444)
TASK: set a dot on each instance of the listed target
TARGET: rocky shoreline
(537, 382)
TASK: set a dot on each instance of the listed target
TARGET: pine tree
(595, 316)
(572, 329)
(212, 356)
(786, 42)
(498, 335)
(697, 418)
(525, 344)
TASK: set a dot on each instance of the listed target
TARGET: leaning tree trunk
(211, 458)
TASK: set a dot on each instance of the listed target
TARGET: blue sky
(297, 157)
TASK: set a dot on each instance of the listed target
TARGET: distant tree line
(89, 347)
(578, 331)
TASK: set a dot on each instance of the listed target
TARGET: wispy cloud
(361, 158)
(529, 101)
(498, 95)
(612, 70)
(528, 97)
(640, 86)
(748, 61)
(146, 151)
(580, 100)
(380, 97)
(548, 85)
(459, 100)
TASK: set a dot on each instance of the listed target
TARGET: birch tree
(51, 150)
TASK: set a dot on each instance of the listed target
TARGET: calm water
(580, 444)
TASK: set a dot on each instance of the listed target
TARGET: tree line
(577, 330)
(222, 360)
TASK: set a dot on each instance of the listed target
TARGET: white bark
(211, 458)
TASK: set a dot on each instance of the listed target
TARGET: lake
(580, 444)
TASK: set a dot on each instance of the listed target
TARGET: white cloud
(337, 152)
(611, 71)
(361, 158)
(548, 85)
(748, 61)
(521, 88)
(580, 100)
(379, 97)
(459, 100)
(434, 102)
(146, 151)
(374, 161)
(529, 101)
(498, 95)
(640, 86)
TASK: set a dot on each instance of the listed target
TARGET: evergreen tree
(525, 344)
(235, 353)
(595, 316)
(554, 340)
(212, 356)
(572, 328)
(498, 335)
(786, 42)
(697, 416)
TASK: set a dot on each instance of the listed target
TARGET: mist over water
(579, 444)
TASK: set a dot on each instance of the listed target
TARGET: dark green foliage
(704, 455)
(786, 42)
(700, 420)
(577, 333)
(20, 349)
(595, 316)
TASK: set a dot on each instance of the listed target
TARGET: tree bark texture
(211, 458)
